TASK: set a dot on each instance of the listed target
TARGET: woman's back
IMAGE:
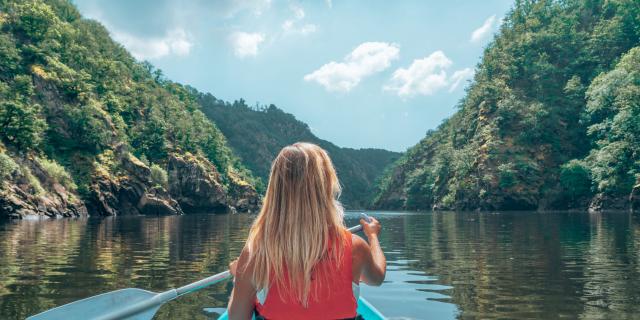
(331, 294)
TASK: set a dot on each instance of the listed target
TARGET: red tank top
(331, 295)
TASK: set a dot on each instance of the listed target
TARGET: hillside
(257, 135)
(550, 121)
(84, 127)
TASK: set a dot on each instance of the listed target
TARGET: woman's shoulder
(359, 246)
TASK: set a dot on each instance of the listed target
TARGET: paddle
(132, 303)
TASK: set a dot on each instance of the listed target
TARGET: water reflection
(441, 265)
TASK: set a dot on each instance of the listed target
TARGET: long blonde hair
(299, 220)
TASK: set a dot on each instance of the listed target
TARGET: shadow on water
(441, 265)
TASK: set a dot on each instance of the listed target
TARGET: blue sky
(361, 73)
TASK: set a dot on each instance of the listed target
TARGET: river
(441, 265)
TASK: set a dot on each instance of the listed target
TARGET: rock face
(19, 198)
(121, 185)
(17, 203)
(196, 184)
(130, 192)
(243, 195)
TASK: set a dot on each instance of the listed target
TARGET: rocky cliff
(196, 184)
(28, 189)
(87, 129)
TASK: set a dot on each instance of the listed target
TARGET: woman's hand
(243, 295)
(233, 266)
(371, 228)
(372, 257)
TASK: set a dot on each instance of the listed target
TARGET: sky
(360, 73)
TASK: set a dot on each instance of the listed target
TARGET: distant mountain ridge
(257, 135)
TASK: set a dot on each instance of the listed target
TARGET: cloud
(368, 58)
(329, 3)
(245, 44)
(175, 42)
(459, 76)
(424, 76)
(484, 30)
(295, 24)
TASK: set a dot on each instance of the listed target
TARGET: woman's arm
(243, 295)
(370, 256)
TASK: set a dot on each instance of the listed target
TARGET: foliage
(613, 112)
(34, 183)
(57, 173)
(575, 179)
(8, 167)
(159, 176)
(20, 120)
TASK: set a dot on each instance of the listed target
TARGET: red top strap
(331, 295)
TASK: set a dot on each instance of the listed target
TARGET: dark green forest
(83, 122)
(257, 134)
(550, 121)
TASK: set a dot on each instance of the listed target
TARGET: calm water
(441, 265)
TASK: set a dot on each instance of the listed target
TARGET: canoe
(365, 309)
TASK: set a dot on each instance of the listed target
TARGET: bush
(8, 167)
(57, 173)
(87, 129)
(575, 179)
(507, 176)
(34, 183)
(21, 125)
(159, 176)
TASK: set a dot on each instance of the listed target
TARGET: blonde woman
(299, 261)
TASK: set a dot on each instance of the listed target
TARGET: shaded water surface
(440, 265)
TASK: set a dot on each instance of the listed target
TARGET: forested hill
(86, 128)
(258, 134)
(551, 120)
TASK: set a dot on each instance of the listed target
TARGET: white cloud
(368, 58)
(484, 30)
(329, 3)
(424, 76)
(459, 76)
(245, 44)
(176, 42)
(295, 24)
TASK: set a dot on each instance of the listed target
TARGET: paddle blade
(101, 305)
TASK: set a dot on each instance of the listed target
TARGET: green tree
(613, 111)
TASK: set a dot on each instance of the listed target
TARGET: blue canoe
(365, 309)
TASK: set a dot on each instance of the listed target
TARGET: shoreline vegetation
(551, 121)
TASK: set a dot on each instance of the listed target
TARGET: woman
(299, 261)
